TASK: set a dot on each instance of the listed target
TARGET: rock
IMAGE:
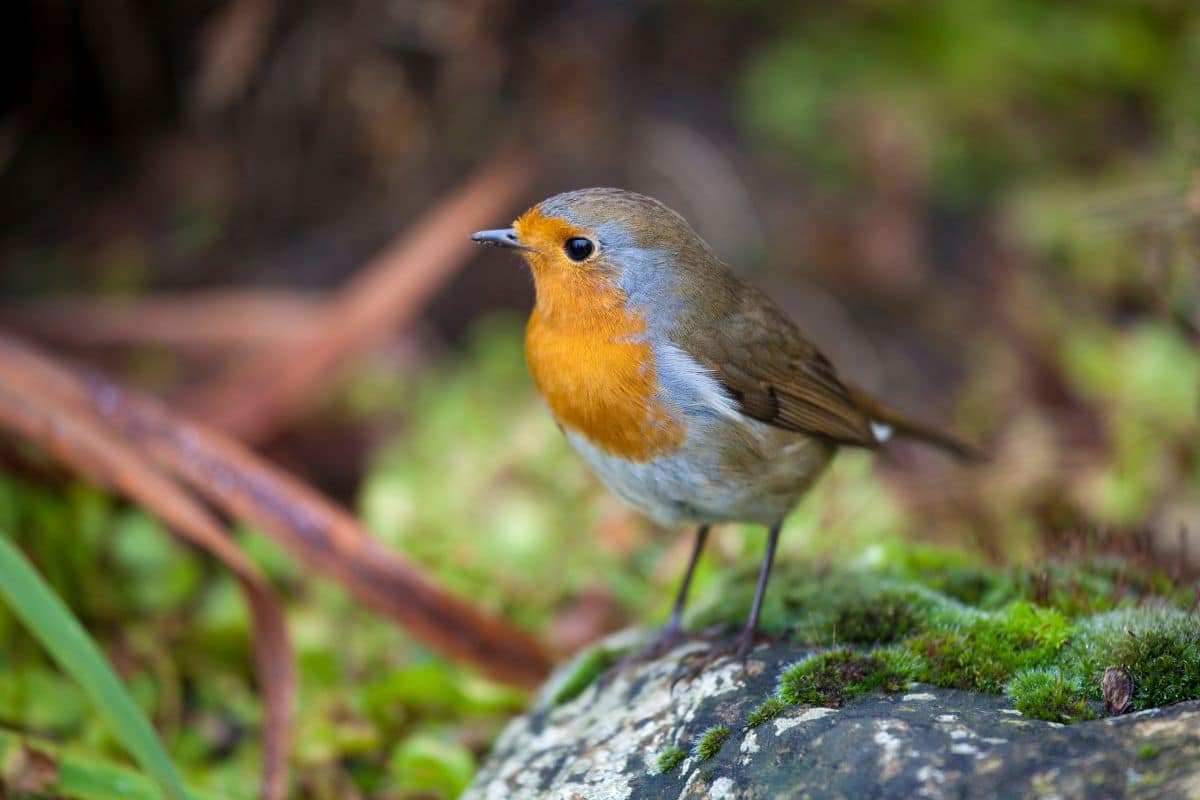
(605, 743)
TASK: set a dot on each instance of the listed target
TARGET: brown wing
(778, 377)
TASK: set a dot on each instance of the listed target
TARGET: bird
(688, 392)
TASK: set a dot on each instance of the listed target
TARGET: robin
(687, 392)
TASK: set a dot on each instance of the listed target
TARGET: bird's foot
(692, 664)
(666, 640)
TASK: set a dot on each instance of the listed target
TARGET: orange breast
(594, 378)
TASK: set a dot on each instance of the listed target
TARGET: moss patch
(1148, 752)
(670, 758)
(1046, 693)
(832, 677)
(708, 744)
(1044, 635)
(766, 711)
(1158, 647)
(981, 651)
(589, 666)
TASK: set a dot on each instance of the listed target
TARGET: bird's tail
(901, 425)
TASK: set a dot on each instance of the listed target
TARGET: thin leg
(675, 621)
(745, 640)
(672, 634)
(743, 643)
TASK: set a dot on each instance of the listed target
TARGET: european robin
(687, 392)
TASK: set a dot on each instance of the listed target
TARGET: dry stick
(34, 406)
(232, 46)
(195, 321)
(256, 396)
(322, 535)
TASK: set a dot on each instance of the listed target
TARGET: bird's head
(608, 238)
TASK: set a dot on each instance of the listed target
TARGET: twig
(319, 533)
(37, 405)
(258, 395)
(195, 321)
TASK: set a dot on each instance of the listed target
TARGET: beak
(501, 237)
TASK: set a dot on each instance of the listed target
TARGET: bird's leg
(743, 643)
(672, 633)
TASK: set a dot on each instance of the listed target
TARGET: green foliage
(709, 743)
(670, 758)
(1046, 693)
(429, 763)
(71, 775)
(588, 667)
(834, 676)
(179, 628)
(515, 528)
(974, 86)
(52, 623)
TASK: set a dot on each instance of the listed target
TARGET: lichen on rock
(887, 682)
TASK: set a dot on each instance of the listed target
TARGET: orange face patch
(546, 236)
(578, 344)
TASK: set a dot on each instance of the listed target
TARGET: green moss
(1078, 589)
(589, 666)
(853, 607)
(708, 744)
(1148, 752)
(1159, 648)
(766, 711)
(832, 677)
(948, 573)
(853, 611)
(1034, 635)
(1044, 633)
(1046, 693)
(670, 758)
(980, 651)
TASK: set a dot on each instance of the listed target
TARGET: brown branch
(201, 321)
(256, 396)
(231, 48)
(320, 534)
(36, 404)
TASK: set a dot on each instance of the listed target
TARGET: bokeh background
(986, 211)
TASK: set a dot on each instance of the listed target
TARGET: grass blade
(52, 623)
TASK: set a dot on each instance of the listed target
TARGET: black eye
(578, 248)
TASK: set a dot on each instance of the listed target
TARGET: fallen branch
(38, 406)
(320, 534)
(259, 394)
(196, 321)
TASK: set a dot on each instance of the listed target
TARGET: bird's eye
(578, 248)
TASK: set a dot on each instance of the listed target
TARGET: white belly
(757, 478)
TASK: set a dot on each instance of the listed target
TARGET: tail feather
(883, 417)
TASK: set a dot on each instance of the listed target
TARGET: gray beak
(501, 237)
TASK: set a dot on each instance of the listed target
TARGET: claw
(666, 640)
(692, 664)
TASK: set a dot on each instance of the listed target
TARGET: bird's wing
(778, 377)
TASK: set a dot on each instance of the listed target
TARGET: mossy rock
(635, 736)
(894, 681)
(1044, 635)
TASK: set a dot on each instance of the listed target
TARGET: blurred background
(986, 211)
